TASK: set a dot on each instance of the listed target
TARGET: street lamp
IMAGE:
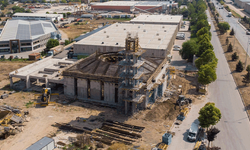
(246, 54)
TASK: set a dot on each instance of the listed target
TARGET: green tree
(189, 49)
(63, 1)
(47, 12)
(202, 23)
(204, 44)
(246, 78)
(223, 27)
(208, 57)
(43, 1)
(230, 48)
(206, 74)
(68, 13)
(202, 16)
(234, 56)
(239, 67)
(232, 32)
(203, 31)
(209, 115)
(54, 12)
(52, 43)
(227, 41)
(67, 42)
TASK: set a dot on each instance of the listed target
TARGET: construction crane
(45, 97)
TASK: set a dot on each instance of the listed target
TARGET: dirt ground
(76, 30)
(238, 76)
(156, 120)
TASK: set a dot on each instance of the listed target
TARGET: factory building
(247, 7)
(159, 19)
(125, 79)
(156, 39)
(37, 16)
(241, 3)
(130, 6)
(26, 35)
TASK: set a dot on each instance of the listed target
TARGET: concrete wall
(69, 86)
(95, 89)
(109, 92)
(82, 88)
(247, 8)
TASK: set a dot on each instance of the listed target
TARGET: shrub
(239, 67)
(235, 56)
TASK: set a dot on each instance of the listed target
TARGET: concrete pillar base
(46, 83)
(27, 82)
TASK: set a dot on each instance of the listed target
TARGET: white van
(192, 132)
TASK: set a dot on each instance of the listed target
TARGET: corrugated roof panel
(47, 25)
(10, 30)
(40, 144)
(36, 29)
(23, 32)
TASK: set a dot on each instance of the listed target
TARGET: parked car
(177, 49)
(247, 32)
(177, 46)
(192, 132)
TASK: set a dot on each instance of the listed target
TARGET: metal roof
(132, 3)
(158, 18)
(36, 15)
(40, 144)
(26, 29)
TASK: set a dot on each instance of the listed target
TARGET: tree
(202, 16)
(43, 1)
(209, 115)
(68, 13)
(246, 78)
(202, 23)
(52, 43)
(54, 12)
(227, 41)
(208, 57)
(232, 32)
(204, 44)
(230, 48)
(211, 134)
(248, 68)
(47, 12)
(63, 1)
(189, 49)
(206, 74)
(67, 42)
(203, 31)
(239, 67)
(234, 56)
(223, 27)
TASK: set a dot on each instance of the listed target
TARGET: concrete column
(37, 81)
(11, 83)
(46, 83)
(126, 107)
(27, 82)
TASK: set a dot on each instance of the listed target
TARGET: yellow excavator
(45, 97)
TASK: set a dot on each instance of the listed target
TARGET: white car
(177, 46)
(177, 49)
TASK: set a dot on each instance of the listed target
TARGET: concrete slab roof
(26, 29)
(158, 19)
(150, 35)
(132, 3)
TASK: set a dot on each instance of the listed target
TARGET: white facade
(37, 16)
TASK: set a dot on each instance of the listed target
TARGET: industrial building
(130, 6)
(247, 7)
(241, 3)
(125, 79)
(156, 39)
(158, 19)
(37, 16)
(27, 35)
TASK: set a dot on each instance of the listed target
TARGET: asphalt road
(233, 22)
(234, 124)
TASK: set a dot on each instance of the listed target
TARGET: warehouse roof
(36, 15)
(40, 144)
(132, 3)
(158, 18)
(152, 36)
(26, 29)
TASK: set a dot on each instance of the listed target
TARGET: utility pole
(246, 54)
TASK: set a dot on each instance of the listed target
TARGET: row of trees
(200, 45)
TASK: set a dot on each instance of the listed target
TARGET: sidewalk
(240, 11)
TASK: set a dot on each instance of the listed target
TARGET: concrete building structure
(126, 79)
(27, 35)
(156, 39)
(130, 6)
(47, 70)
(37, 16)
(241, 3)
(247, 7)
(159, 19)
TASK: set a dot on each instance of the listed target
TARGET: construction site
(124, 95)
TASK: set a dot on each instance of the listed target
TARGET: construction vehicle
(182, 115)
(45, 97)
(182, 100)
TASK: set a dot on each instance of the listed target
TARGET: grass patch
(15, 60)
(29, 104)
(81, 56)
(235, 14)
